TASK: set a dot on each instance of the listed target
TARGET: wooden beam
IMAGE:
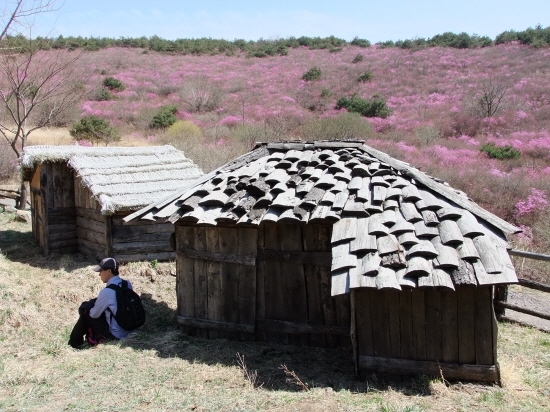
(505, 305)
(299, 328)
(217, 257)
(214, 324)
(449, 371)
(297, 257)
(529, 255)
(534, 285)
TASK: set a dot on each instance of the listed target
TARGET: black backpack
(130, 314)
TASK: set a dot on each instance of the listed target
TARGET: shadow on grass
(23, 248)
(263, 363)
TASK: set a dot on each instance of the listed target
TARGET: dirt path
(529, 299)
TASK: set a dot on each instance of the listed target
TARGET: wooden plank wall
(427, 326)
(139, 240)
(90, 223)
(270, 283)
(216, 298)
(57, 195)
(37, 211)
(293, 295)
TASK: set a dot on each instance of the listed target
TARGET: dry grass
(161, 369)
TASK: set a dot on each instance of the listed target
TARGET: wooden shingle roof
(393, 226)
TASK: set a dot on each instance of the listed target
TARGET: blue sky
(377, 20)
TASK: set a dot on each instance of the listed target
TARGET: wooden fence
(501, 295)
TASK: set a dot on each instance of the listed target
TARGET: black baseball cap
(107, 263)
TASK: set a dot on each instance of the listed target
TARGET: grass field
(161, 369)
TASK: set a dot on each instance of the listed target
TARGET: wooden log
(214, 325)
(90, 225)
(148, 228)
(161, 237)
(534, 285)
(93, 246)
(295, 257)
(61, 228)
(90, 214)
(147, 247)
(59, 246)
(529, 255)
(69, 235)
(449, 371)
(506, 305)
(146, 257)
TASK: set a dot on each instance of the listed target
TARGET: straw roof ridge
(120, 178)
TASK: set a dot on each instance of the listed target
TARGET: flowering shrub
(365, 77)
(536, 201)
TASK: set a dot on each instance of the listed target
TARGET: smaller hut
(79, 196)
(328, 243)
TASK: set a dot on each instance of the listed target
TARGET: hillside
(446, 104)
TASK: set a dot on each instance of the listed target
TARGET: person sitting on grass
(97, 316)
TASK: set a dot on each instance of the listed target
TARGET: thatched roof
(120, 178)
(393, 226)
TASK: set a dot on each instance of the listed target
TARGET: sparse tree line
(536, 37)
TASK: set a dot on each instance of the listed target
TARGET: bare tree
(489, 98)
(15, 14)
(36, 88)
(201, 94)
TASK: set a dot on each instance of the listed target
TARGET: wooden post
(501, 296)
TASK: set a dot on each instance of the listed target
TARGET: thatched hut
(317, 243)
(79, 196)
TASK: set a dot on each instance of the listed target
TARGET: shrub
(113, 84)
(165, 117)
(326, 93)
(182, 129)
(358, 58)
(376, 107)
(344, 126)
(95, 130)
(312, 74)
(360, 42)
(103, 95)
(500, 152)
(365, 77)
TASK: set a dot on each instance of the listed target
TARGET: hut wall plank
(365, 342)
(483, 320)
(230, 280)
(405, 320)
(150, 247)
(61, 228)
(201, 282)
(162, 238)
(433, 324)
(215, 294)
(247, 246)
(261, 268)
(392, 299)
(418, 324)
(98, 250)
(273, 288)
(45, 194)
(294, 303)
(314, 278)
(185, 279)
(380, 318)
(449, 330)
(466, 332)
(90, 214)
